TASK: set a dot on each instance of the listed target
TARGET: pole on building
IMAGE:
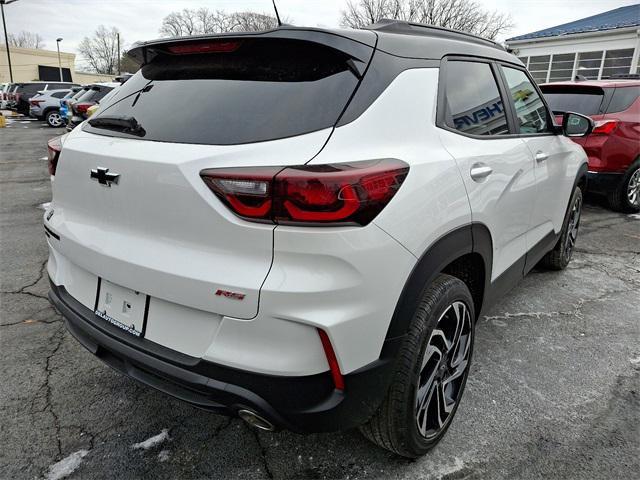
(118, 37)
(6, 38)
(58, 40)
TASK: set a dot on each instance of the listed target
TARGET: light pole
(6, 36)
(58, 40)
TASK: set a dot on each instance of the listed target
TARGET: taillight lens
(604, 127)
(35, 103)
(343, 193)
(54, 147)
(82, 107)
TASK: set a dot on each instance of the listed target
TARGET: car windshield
(262, 90)
(584, 100)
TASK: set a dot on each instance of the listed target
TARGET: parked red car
(613, 146)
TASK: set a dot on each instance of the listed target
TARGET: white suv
(300, 227)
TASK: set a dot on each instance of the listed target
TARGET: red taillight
(208, 47)
(54, 147)
(334, 367)
(604, 127)
(82, 107)
(346, 193)
(35, 103)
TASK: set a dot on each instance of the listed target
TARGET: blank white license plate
(122, 307)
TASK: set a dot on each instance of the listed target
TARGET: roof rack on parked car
(623, 76)
(413, 28)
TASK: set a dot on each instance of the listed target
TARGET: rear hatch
(251, 100)
(585, 99)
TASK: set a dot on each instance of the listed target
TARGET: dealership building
(596, 47)
(29, 64)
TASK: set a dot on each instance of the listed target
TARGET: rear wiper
(120, 123)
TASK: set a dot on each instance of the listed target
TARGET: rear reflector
(208, 47)
(334, 367)
(604, 127)
(331, 194)
(54, 147)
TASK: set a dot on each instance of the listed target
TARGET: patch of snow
(153, 441)
(635, 361)
(163, 456)
(66, 466)
(635, 215)
(445, 471)
(44, 206)
(44, 158)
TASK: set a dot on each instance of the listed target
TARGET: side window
(622, 99)
(59, 94)
(532, 115)
(473, 103)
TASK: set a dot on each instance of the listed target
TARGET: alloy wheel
(54, 119)
(633, 189)
(445, 363)
(572, 228)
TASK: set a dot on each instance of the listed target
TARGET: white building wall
(574, 44)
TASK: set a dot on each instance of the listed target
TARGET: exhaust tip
(256, 421)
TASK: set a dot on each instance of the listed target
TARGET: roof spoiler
(358, 46)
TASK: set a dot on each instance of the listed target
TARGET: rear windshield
(265, 89)
(94, 94)
(622, 99)
(584, 100)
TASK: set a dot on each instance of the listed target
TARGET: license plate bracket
(122, 307)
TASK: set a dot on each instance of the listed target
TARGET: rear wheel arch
(465, 253)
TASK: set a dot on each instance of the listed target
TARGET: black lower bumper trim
(603, 182)
(302, 404)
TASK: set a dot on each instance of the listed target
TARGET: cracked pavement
(554, 389)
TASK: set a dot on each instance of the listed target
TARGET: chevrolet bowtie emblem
(104, 177)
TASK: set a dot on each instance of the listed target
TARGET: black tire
(621, 199)
(53, 119)
(395, 425)
(560, 256)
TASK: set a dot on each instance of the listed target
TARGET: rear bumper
(603, 182)
(302, 404)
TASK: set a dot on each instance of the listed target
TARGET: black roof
(399, 38)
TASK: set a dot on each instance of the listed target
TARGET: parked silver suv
(45, 105)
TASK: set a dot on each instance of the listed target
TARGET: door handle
(480, 171)
(541, 157)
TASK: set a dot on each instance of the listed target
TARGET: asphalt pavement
(554, 390)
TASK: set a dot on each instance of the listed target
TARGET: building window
(589, 64)
(617, 62)
(538, 67)
(562, 67)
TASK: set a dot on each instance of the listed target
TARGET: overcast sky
(141, 19)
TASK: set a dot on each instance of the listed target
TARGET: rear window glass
(263, 90)
(622, 99)
(94, 94)
(586, 101)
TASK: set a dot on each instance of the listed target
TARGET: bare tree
(464, 15)
(25, 39)
(101, 50)
(202, 20)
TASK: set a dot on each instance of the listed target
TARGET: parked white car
(301, 227)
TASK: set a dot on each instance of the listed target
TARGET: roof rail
(413, 28)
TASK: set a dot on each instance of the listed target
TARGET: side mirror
(576, 125)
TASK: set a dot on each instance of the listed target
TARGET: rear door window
(261, 89)
(473, 103)
(584, 100)
(622, 99)
(531, 113)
